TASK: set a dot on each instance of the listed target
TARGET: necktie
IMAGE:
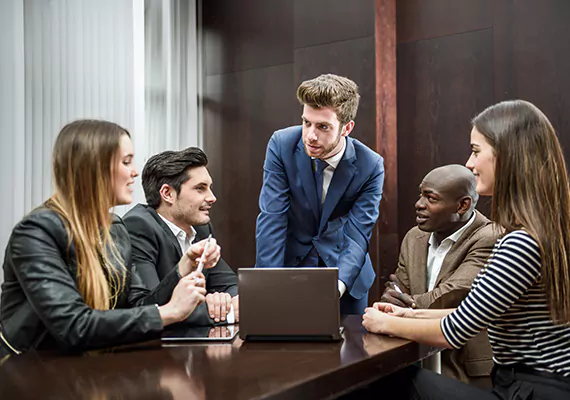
(320, 166)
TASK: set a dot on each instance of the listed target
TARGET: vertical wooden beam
(384, 246)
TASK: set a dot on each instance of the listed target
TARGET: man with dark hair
(178, 191)
(321, 192)
(440, 258)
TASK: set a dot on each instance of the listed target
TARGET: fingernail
(217, 320)
(212, 316)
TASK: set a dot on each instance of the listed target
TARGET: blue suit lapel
(305, 170)
(340, 181)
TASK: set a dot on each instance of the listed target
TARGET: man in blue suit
(321, 192)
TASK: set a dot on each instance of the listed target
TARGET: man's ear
(167, 193)
(464, 205)
(348, 128)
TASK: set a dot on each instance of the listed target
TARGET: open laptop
(289, 304)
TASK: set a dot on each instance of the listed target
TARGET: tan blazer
(472, 363)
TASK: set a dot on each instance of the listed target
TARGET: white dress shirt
(328, 173)
(436, 254)
(184, 240)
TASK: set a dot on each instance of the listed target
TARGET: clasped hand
(377, 317)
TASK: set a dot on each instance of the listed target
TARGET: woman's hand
(186, 296)
(393, 310)
(375, 321)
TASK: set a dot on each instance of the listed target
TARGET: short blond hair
(329, 90)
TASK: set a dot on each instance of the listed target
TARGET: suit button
(297, 259)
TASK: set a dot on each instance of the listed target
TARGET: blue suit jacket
(288, 224)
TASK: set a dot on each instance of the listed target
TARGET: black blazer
(156, 253)
(41, 307)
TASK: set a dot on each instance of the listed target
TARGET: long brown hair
(531, 190)
(84, 158)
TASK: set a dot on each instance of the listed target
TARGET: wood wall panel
(246, 34)
(327, 21)
(241, 111)
(425, 19)
(352, 58)
(442, 84)
(450, 69)
(384, 247)
(532, 58)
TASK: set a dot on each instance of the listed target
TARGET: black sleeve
(52, 291)
(145, 250)
(221, 278)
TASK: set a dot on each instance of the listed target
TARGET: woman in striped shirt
(522, 295)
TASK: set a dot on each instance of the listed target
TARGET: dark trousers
(348, 304)
(351, 306)
(510, 383)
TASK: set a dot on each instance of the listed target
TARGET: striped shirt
(508, 298)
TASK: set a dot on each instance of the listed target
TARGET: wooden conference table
(239, 370)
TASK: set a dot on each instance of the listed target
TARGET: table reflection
(212, 370)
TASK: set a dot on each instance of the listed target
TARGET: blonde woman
(522, 295)
(68, 278)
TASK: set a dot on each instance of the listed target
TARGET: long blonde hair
(531, 190)
(84, 158)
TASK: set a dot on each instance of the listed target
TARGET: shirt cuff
(231, 317)
(341, 287)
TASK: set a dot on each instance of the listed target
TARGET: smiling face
(322, 132)
(124, 172)
(482, 163)
(192, 205)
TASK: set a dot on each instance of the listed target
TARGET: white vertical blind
(78, 62)
(171, 81)
(62, 60)
(12, 100)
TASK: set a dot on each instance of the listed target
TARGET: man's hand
(393, 295)
(191, 258)
(219, 305)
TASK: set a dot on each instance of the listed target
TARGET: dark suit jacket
(289, 224)
(460, 267)
(156, 252)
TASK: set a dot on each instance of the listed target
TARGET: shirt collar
(454, 237)
(177, 231)
(335, 160)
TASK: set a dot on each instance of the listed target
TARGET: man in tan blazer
(440, 258)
